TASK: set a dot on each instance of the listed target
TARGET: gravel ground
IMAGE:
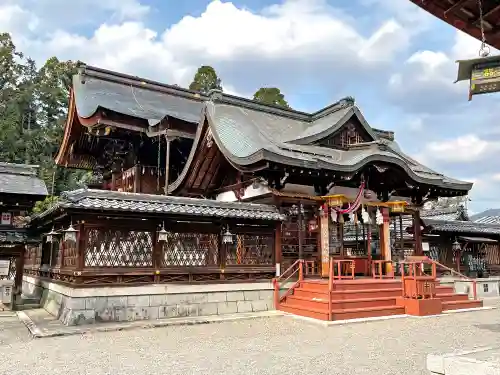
(278, 345)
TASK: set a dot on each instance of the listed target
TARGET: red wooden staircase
(355, 298)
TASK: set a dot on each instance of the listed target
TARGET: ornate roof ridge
(221, 97)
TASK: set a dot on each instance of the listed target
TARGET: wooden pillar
(80, 247)
(157, 255)
(222, 252)
(137, 178)
(277, 247)
(324, 244)
(300, 223)
(340, 237)
(167, 163)
(385, 239)
(417, 233)
(18, 278)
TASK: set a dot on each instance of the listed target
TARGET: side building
(20, 188)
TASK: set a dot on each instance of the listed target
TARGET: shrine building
(199, 200)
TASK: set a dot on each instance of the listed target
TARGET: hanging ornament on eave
(483, 73)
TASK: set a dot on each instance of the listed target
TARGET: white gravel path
(278, 345)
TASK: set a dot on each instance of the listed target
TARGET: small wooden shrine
(20, 188)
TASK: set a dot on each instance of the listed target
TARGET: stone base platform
(482, 361)
(77, 306)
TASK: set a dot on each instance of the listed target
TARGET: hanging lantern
(483, 73)
(162, 234)
(51, 236)
(456, 246)
(70, 234)
(227, 237)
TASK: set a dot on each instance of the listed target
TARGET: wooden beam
(487, 14)
(455, 6)
(172, 133)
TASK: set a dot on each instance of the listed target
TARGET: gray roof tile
(21, 179)
(246, 136)
(12, 237)
(122, 202)
(461, 227)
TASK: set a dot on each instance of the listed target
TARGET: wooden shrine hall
(211, 188)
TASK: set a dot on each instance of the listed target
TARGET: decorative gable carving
(350, 133)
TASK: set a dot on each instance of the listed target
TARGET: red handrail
(330, 289)
(474, 282)
(297, 266)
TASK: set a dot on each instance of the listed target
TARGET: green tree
(205, 79)
(270, 95)
(33, 106)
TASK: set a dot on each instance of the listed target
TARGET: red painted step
(343, 314)
(368, 312)
(458, 305)
(361, 298)
(322, 303)
(449, 297)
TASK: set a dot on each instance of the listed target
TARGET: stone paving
(274, 345)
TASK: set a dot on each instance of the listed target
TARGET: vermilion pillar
(324, 244)
(385, 239)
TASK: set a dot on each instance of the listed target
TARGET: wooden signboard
(4, 267)
(6, 218)
(485, 78)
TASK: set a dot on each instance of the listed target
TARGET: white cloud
(224, 35)
(426, 82)
(468, 148)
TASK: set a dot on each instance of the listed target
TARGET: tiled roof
(461, 227)
(488, 220)
(89, 199)
(12, 237)
(247, 136)
(21, 179)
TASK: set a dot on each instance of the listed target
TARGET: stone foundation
(75, 306)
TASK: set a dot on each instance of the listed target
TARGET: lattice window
(30, 255)
(492, 254)
(346, 137)
(251, 249)
(118, 248)
(190, 250)
(70, 254)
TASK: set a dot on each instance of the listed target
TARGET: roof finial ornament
(215, 94)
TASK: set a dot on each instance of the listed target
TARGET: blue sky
(395, 59)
